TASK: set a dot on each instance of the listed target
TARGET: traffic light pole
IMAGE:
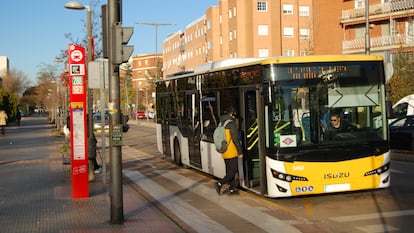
(115, 37)
(115, 192)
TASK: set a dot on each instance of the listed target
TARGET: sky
(32, 32)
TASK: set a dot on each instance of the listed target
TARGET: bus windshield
(318, 110)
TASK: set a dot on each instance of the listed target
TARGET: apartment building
(144, 74)
(4, 66)
(390, 25)
(241, 29)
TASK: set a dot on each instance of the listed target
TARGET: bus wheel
(177, 153)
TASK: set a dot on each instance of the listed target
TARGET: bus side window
(209, 117)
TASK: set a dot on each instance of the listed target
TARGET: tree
(126, 90)
(402, 81)
(96, 33)
(15, 82)
(8, 102)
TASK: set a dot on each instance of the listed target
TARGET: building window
(359, 4)
(360, 32)
(304, 33)
(288, 31)
(303, 53)
(303, 11)
(262, 6)
(230, 36)
(230, 14)
(263, 30)
(288, 9)
(234, 11)
(263, 52)
(289, 53)
(410, 28)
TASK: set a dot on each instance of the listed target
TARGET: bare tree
(16, 82)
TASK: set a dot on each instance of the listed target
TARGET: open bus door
(253, 173)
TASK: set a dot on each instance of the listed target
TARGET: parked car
(402, 133)
(140, 115)
(150, 114)
(97, 124)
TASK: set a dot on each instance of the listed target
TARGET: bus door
(193, 133)
(164, 120)
(250, 139)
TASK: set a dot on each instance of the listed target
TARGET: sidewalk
(35, 195)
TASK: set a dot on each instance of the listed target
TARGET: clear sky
(32, 32)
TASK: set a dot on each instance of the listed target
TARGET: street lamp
(79, 6)
(156, 25)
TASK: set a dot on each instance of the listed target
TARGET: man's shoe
(218, 188)
(233, 191)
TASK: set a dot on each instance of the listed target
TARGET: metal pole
(156, 52)
(116, 192)
(156, 25)
(103, 143)
(367, 36)
(91, 141)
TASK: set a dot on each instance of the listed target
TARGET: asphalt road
(384, 210)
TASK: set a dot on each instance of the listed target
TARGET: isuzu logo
(336, 175)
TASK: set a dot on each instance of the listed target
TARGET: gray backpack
(219, 136)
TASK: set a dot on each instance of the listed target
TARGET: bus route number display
(116, 135)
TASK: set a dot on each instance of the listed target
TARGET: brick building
(143, 77)
(262, 28)
(240, 29)
(340, 27)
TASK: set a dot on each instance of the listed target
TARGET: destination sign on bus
(313, 72)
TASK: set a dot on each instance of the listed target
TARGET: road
(385, 210)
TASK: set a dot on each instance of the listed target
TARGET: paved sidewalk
(35, 195)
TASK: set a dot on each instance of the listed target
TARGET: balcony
(384, 42)
(378, 9)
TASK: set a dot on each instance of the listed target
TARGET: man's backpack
(219, 136)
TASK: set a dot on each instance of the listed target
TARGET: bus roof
(225, 63)
(236, 62)
(321, 58)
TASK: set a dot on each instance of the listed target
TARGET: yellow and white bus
(283, 106)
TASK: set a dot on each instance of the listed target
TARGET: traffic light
(120, 37)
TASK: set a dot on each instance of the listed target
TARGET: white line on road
(360, 217)
(196, 218)
(190, 215)
(233, 204)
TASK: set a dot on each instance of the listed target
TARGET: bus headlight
(287, 177)
(379, 170)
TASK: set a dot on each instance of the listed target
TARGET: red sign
(78, 118)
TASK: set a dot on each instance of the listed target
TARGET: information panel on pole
(78, 121)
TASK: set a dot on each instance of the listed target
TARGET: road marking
(378, 228)
(233, 204)
(397, 171)
(359, 217)
(191, 216)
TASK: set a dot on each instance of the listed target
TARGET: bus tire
(177, 153)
